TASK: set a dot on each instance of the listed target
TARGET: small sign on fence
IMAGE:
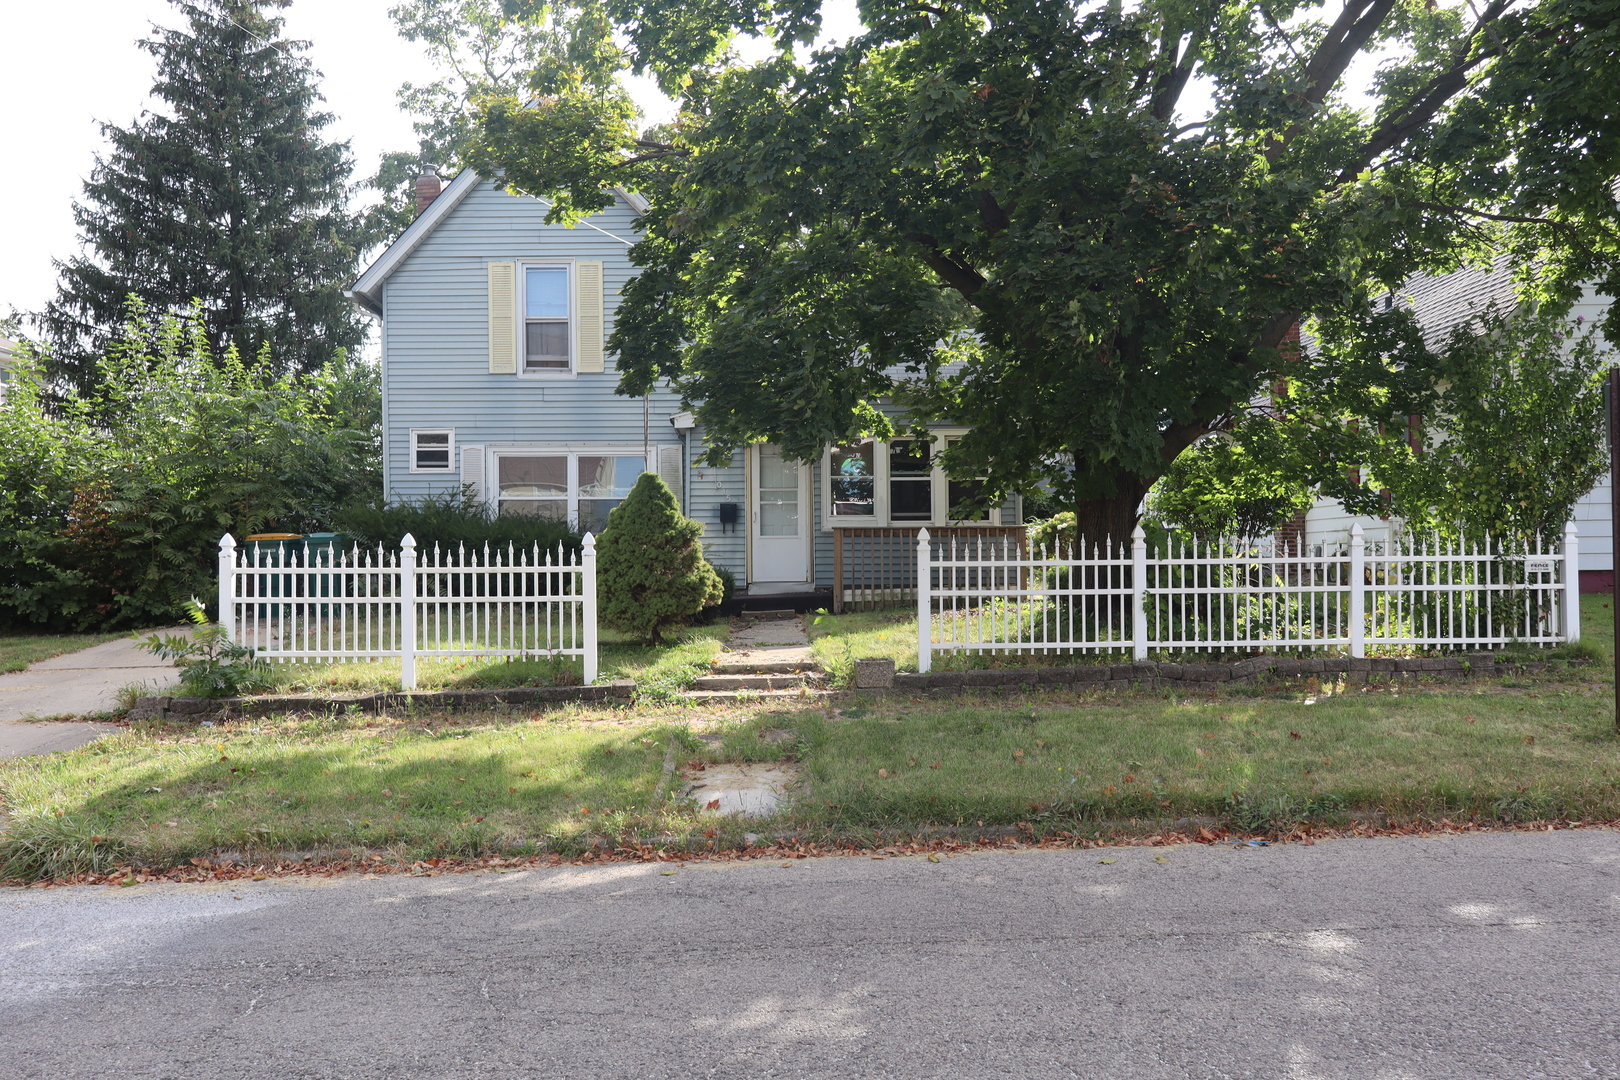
(1538, 566)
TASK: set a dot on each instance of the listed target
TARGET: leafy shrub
(211, 665)
(651, 572)
(112, 505)
(728, 582)
(450, 520)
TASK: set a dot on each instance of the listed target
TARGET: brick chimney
(428, 186)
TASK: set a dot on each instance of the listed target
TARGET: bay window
(897, 483)
(577, 487)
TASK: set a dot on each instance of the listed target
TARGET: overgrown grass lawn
(161, 795)
(17, 651)
(664, 669)
(1260, 763)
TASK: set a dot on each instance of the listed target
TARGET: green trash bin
(273, 551)
(326, 549)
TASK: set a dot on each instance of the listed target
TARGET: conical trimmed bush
(650, 571)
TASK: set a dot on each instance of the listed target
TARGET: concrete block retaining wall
(161, 708)
(1144, 675)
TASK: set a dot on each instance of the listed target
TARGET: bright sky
(66, 68)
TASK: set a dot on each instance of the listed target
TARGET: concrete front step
(766, 667)
(758, 682)
(803, 693)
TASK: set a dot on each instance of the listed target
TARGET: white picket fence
(293, 604)
(996, 594)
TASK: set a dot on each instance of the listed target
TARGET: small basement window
(432, 451)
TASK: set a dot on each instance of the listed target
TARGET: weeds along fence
(997, 595)
(300, 605)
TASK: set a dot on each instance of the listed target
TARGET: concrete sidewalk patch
(73, 684)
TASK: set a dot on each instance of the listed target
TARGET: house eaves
(367, 289)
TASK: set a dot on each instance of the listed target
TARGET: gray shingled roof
(1443, 302)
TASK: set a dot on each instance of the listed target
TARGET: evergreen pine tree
(229, 196)
(650, 569)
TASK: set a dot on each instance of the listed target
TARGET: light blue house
(495, 376)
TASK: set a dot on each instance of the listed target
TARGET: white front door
(780, 531)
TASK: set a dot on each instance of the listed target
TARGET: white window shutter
(669, 469)
(472, 471)
(502, 318)
(588, 294)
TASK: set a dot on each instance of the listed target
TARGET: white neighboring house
(1441, 303)
(8, 349)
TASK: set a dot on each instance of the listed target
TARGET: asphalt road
(1478, 956)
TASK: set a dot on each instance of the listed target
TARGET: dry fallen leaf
(668, 873)
(1108, 862)
(1160, 859)
(933, 856)
(1529, 740)
(1294, 735)
(513, 790)
(883, 774)
(712, 804)
(935, 765)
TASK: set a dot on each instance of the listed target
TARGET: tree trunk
(1106, 511)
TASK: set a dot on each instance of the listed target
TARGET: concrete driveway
(1468, 957)
(73, 684)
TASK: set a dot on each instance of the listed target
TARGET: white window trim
(450, 466)
(940, 491)
(573, 452)
(522, 313)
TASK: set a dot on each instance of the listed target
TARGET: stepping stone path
(767, 655)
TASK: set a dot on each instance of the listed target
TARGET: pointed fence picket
(292, 604)
(1000, 595)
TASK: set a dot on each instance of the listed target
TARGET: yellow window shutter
(588, 290)
(502, 318)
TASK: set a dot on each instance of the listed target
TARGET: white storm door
(780, 531)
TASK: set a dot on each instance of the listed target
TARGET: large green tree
(226, 192)
(482, 50)
(1497, 431)
(1083, 229)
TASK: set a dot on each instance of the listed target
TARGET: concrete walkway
(73, 684)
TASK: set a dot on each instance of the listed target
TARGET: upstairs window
(546, 330)
(432, 451)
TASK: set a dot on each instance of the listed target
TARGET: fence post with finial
(407, 613)
(227, 587)
(1358, 591)
(587, 586)
(1572, 583)
(925, 604)
(1139, 619)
